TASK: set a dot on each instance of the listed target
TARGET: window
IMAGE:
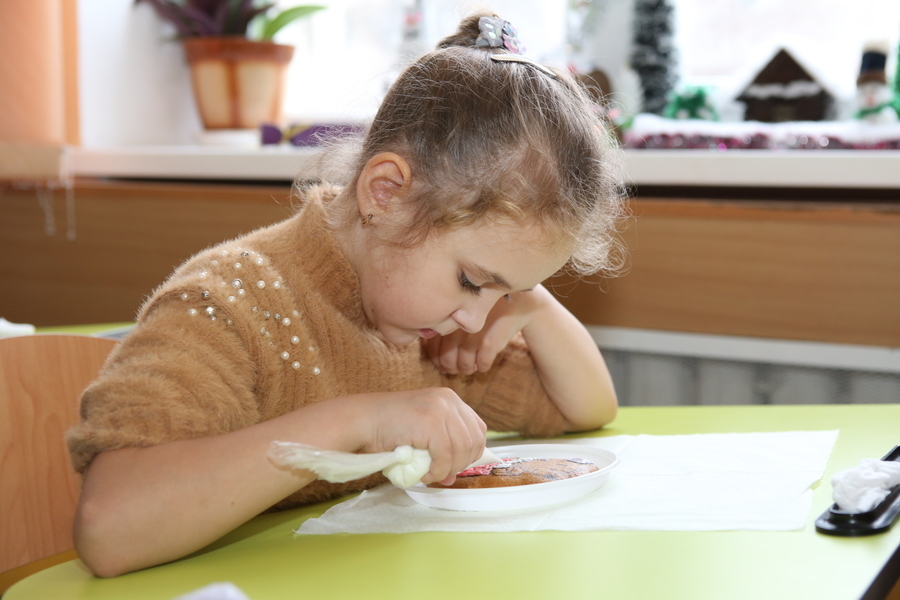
(135, 89)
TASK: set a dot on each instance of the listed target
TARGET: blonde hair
(488, 139)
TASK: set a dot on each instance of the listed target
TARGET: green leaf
(284, 18)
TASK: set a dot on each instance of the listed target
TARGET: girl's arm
(570, 365)
(145, 506)
(571, 369)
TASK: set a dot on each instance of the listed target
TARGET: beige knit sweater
(265, 324)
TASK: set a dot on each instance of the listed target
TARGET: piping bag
(404, 467)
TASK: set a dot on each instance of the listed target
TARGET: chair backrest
(41, 379)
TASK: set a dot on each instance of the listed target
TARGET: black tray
(835, 521)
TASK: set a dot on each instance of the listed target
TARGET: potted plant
(237, 71)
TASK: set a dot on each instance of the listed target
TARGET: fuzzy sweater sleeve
(172, 378)
(510, 396)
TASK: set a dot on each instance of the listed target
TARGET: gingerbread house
(785, 91)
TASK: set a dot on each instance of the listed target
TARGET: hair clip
(518, 58)
(497, 33)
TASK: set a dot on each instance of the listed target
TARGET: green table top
(268, 561)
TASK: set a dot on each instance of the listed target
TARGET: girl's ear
(383, 184)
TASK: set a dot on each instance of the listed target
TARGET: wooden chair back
(41, 379)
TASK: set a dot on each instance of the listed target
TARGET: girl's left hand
(462, 353)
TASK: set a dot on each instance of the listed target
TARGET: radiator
(655, 368)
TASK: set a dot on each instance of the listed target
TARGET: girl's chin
(401, 338)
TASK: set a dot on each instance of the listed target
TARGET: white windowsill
(860, 169)
(191, 162)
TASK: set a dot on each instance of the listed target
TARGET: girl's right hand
(142, 506)
(433, 419)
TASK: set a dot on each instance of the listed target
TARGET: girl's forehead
(513, 232)
(499, 245)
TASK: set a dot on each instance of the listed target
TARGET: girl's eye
(468, 285)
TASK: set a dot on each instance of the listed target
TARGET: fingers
(485, 360)
(460, 353)
(457, 444)
(445, 353)
(432, 419)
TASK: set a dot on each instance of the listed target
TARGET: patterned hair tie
(497, 33)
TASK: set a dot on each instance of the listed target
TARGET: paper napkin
(703, 482)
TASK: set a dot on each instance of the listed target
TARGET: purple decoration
(318, 134)
(314, 135)
(270, 134)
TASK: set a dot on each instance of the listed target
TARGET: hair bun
(467, 33)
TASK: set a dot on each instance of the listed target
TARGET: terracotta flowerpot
(238, 83)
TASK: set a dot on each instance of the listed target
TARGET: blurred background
(757, 274)
(135, 85)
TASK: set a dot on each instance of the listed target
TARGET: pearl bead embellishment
(249, 260)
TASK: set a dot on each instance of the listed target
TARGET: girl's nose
(471, 318)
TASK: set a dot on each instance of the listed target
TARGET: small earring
(367, 220)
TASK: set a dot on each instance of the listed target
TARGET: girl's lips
(427, 333)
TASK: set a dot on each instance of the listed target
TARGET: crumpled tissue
(222, 590)
(861, 488)
(404, 467)
(9, 329)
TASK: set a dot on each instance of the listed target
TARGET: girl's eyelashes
(468, 285)
(475, 289)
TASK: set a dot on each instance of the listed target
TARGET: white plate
(524, 496)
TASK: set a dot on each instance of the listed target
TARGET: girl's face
(453, 279)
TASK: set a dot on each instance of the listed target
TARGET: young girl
(402, 308)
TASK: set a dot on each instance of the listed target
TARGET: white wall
(135, 87)
(134, 83)
(347, 55)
